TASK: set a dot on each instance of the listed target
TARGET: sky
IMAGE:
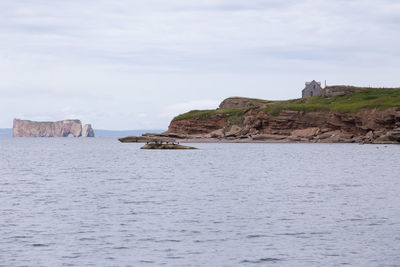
(124, 65)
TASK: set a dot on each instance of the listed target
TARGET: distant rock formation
(26, 128)
(87, 131)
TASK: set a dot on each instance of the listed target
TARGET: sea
(98, 202)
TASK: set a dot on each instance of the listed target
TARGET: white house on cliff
(312, 89)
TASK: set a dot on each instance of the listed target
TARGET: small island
(166, 146)
(155, 142)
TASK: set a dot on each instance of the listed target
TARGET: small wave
(144, 261)
(262, 260)
(87, 239)
(256, 236)
(286, 219)
(146, 239)
(301, 233)
(168, 240)
(39, 245)
(21, 237)
(174, 257)
(331, 255)
(120, 248)
(320, 233)
(71, 257)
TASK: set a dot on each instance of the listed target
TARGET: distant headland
(64, 128)
(345, 114)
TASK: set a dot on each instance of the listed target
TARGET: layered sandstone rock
(26, 128)
(193, 127)
(87, 131)
(365, 126)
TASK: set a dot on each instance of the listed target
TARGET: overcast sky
(136, 64)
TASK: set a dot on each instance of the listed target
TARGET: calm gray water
(97, 202)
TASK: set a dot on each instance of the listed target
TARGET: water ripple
(97, 202)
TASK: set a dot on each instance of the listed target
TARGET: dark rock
(166, 146)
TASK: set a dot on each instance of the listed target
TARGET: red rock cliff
(366, 125)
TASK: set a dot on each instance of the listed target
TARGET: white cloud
(112, 60)
(142, 115)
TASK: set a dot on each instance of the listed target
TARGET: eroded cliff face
(366, 126)
(197, 126)
(26, 128)
(87, 131)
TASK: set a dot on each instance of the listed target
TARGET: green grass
(251, 99)
(366, 98)
(356, 87)
(234, 116)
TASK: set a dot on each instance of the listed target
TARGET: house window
(314, 86)
(311, 93)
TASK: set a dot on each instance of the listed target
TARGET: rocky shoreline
(335, 138)
(371, 118)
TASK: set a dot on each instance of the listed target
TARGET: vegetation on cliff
(232, 115)
(251, 100)
(366, 98)
(361, 98)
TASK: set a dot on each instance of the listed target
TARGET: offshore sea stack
(87, 131)
(340, 115)
(26, 128)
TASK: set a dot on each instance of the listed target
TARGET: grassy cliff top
(250, 99)
(359, 88)
(365, 98)
(233, 115)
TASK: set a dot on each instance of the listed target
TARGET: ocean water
(97, 202)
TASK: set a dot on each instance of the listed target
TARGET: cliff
(341, 114)
(87, 131)
(26, 128)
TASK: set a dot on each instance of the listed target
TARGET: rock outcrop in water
(87, 131)
(26, 128)
(166, 146)
(154, 141)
